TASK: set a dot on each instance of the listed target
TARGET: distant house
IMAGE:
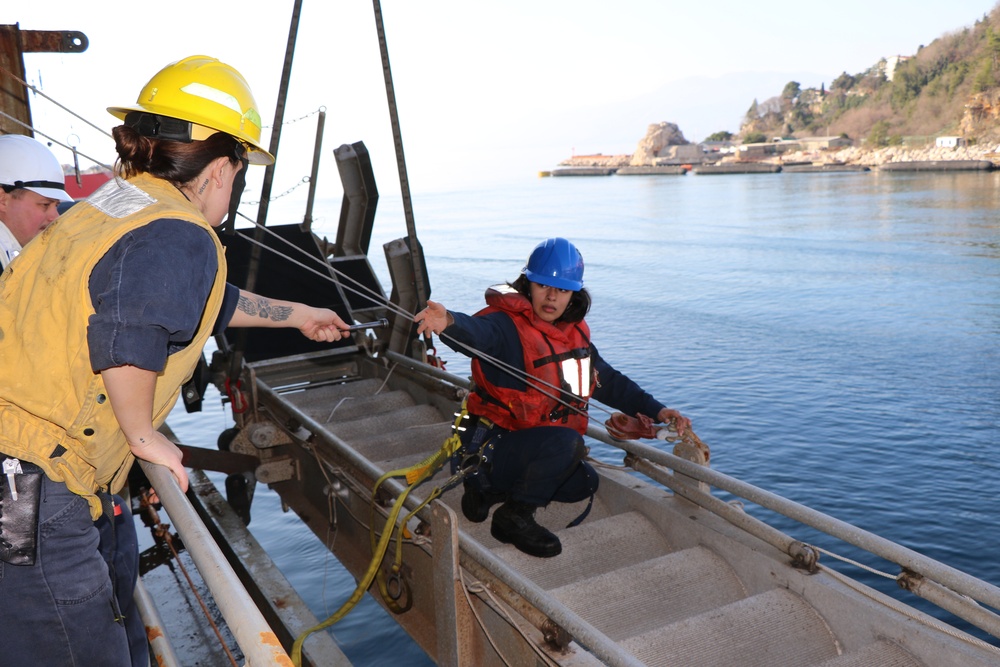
(669, 155)
(717, 146)
(758, 150)
(891, 63)
(768, 148)
(949, 142)
(823, 143)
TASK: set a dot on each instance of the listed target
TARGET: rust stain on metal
(54, 41)
(269, 639)
(280, 657)
(153, 633)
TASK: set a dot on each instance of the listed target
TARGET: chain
(322, 109)
(305, 179)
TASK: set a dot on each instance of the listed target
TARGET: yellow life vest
(54, 410)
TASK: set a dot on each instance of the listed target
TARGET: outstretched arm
(435, 318)
(130, 390)
(617, 390)
(318, 324)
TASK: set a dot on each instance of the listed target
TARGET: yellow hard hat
(210, 95)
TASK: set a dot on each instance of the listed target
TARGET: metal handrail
(608, 651)
(911, 560)
(934, 570)
(954, 579)
(255, 637)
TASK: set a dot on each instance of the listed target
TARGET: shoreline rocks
(862, 157)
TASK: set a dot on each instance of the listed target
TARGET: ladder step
(404, 420)
(630, 536)
(329, 394)
(649, 595)
(412, 444)
(882, 653)
(773, 629)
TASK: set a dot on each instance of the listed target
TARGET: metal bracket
(277, 470)
(53, 41)
(264, 435)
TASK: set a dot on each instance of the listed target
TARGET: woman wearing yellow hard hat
(102, 319)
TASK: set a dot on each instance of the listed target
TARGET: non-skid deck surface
(667, 604)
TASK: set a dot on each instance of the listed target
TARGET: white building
(891, 63)
(949, 142)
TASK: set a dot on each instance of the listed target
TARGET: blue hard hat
(556, 263)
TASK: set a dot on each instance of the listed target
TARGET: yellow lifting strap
(415, 475)
(433, 462)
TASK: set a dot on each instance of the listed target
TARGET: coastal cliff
(941, 103)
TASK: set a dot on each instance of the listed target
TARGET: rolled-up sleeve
(149, 292)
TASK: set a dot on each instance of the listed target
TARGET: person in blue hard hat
(534, 369)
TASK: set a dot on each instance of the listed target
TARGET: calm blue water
(834, 338)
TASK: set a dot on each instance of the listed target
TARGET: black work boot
(514, 523)
(476, 504)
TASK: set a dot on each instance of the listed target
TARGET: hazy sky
(487, 90)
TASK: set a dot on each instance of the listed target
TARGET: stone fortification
(662, 141)
(880, 156)
(664, 144)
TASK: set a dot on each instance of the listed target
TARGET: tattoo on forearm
(263, 309)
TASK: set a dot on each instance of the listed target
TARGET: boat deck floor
(669, 582)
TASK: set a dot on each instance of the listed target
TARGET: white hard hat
(29, 164)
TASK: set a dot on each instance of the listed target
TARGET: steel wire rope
(535, 383)
(380, 542)
(58, 104)
(162, 531)
(304, 180)
(898, 607)
(478, 588)
(54, 140)
(362, 291)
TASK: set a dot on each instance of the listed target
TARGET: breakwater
(774, 168)
(890, 158)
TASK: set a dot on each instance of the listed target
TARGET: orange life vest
(557, 362)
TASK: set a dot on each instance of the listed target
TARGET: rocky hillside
(949, 87)
(891, 112)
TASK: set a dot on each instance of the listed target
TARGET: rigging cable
(416, 250)
(61, 106)
(161, 531)
(55, 141)
(361, 290)
(237, 349)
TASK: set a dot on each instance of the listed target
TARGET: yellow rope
(415, 475)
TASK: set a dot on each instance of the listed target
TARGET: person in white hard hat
(31, 186)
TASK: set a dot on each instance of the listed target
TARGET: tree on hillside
(755, 138)
(770, 105)
(844, 82)
(752, 114)
(907, 82)
(985, 79)
(879, 135)
(721, 135)
(993, 47)
(791, 90)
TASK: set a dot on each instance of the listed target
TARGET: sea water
(834, 338)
